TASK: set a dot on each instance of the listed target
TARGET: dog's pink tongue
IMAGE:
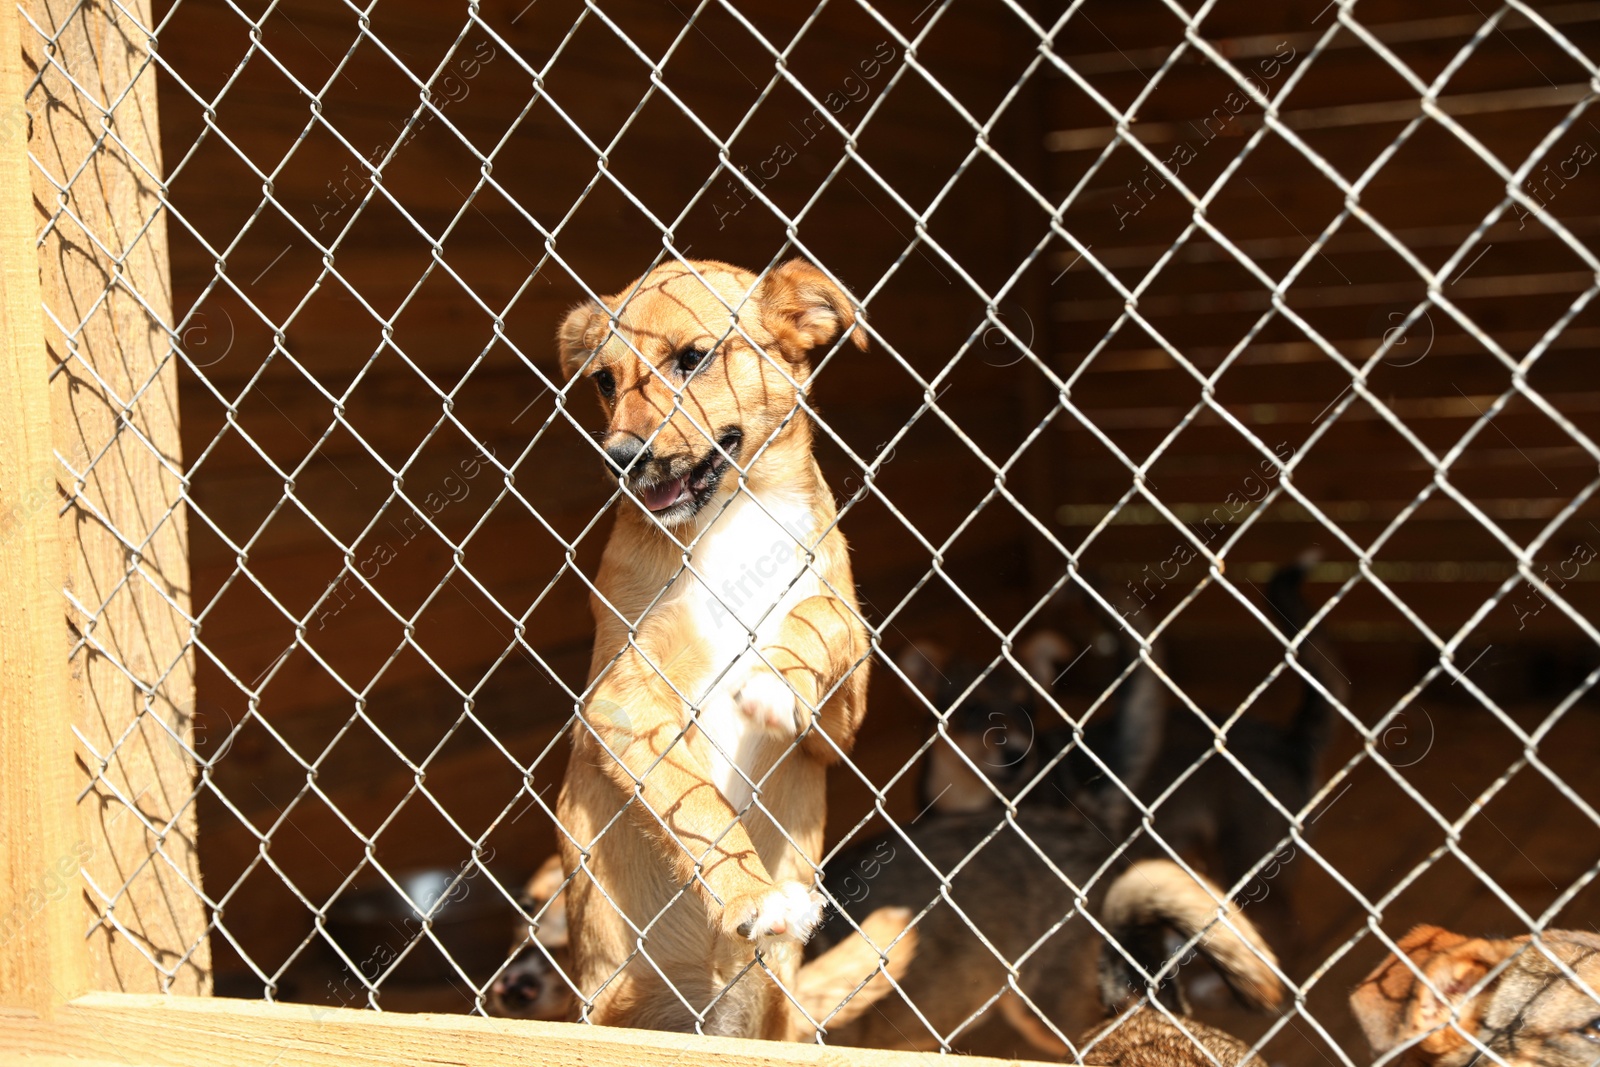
(663, 496)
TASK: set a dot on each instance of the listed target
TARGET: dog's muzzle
(674, 497)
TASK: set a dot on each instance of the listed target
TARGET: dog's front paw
(766, 700)
(786, 912)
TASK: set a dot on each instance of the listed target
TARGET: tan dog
(533, 984)
(1507, 994)
(721, 690)
(831, 990)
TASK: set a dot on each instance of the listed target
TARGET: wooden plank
(42, 960)
(179, 1031)
(116, 400)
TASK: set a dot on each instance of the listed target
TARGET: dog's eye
(606, 382)
(1592, 1030)
(691, 357)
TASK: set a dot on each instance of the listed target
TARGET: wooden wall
(1431, 193)
(425, 334)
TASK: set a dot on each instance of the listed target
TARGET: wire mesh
(1276, 91)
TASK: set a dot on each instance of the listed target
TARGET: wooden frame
(144, 1029)
(65, 997)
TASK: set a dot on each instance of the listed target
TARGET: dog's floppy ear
(803, 309)
(922, 663)
(536, 899)
(579, 335)
(1394, 1006)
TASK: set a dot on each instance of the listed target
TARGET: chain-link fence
(1205, 394)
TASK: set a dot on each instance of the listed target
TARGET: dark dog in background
(999, 732)
(1004, 901)
(985, 747)
(1220, 819)
(1001, 739)
(1007, 900)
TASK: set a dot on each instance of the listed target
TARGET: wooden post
(103, 271)
(42, 957)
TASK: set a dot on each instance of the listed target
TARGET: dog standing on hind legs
(720, 690)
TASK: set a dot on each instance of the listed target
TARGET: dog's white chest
(751, 571)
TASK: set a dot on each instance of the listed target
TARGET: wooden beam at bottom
(148, 1030)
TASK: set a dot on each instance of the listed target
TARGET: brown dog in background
(1509, 995)
(719, 691)
(533, 984)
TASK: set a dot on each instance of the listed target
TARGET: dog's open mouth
(694, 487)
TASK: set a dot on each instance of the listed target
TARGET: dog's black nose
(627, 456)
(517, 990)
